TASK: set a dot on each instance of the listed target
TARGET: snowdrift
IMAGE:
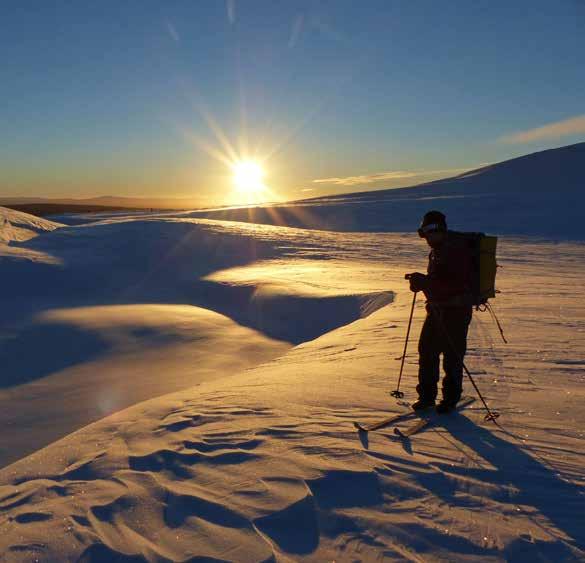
(18, 226)
(124, 310)
(130, 260)
(540, 194)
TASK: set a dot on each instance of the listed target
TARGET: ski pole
(397, 393)
(491, 415)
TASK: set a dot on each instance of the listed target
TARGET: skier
(449, 309)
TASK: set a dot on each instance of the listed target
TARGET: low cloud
(572, 126)
(384, 176)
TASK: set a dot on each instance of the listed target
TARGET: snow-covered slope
(135, 307)
(541, 194)
(18, 226)
(266, 465)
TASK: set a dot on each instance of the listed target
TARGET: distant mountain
(540, 194)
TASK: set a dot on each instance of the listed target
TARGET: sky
(160, 98)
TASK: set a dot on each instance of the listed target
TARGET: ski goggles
(431, 228)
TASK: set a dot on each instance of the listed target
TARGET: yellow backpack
(483, 252)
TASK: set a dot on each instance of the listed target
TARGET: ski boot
(422, 404)
(445, 406)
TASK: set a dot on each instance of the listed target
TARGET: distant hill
(559, 169)
(106, 202)
(51, 209)
(540, 194)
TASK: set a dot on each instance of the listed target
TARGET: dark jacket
(449, 273)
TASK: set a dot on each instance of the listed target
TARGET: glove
(418, 282)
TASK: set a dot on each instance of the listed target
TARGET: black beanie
(434, 217)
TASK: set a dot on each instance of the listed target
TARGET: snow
(256, 347)
(92, 361)
(18, 226)
(130, 298)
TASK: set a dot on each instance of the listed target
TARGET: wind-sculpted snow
(131, 308)
(264, 464)
(18, 226)
(177, 261)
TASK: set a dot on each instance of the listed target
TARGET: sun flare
(248, 176)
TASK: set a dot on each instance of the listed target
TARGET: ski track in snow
(265, 465)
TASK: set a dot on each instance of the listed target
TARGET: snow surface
(18, 226)
(131, 299)
(263, 463)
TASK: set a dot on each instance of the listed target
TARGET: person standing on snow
(449, 309)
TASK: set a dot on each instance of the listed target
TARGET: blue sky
(140, 98)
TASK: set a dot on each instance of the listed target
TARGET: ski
(413, 428)
(384, 422)
(424, 422)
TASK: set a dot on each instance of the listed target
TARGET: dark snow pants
(444, 332)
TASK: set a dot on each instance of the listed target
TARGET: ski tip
(359, 427)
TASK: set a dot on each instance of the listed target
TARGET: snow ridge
(18, 226)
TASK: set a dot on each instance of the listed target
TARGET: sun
(248, 176)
